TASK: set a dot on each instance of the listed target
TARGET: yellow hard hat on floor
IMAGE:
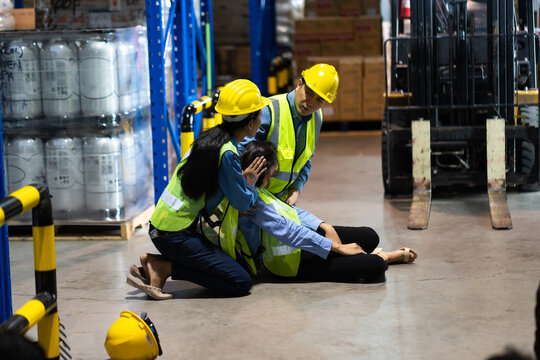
(240, 97)
(323, 79)
(132, 337)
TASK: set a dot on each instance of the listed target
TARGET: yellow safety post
(42, 309)
(187, 137)
(272, 79)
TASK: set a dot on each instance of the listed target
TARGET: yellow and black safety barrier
(210, 119)
(280, 74)
(42, 308)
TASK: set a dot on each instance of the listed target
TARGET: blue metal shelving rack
(186, 36)
(262, 27)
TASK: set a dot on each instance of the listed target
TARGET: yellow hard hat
(323, 79)
(132, 337)
(240, 97)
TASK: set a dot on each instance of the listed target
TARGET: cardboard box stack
(231, 38)
(315, 8)
(373, 100)
(345, 32)
(335, 36)
(89, 14)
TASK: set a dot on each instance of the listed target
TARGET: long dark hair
(255, 149)
(199, 175)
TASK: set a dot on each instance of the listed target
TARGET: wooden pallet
(86, 230)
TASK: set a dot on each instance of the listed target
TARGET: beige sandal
(138, 273)
(152, 291)
(407, 257)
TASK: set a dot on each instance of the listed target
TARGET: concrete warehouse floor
(469, 295)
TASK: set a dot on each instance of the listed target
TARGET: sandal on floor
(152, 291)
(408, 258)
(138, 273)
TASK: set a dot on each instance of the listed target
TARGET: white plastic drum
(98, 78)
(144, 88)
(65, 173)
(21, 85)
(59, 62)
(129, 168)
(103, 173)
(128, 84)
(25, 162)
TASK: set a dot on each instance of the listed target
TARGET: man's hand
(293, 197)
(254, 170)
(347, 249)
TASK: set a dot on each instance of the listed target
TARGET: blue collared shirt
(232, 184)
(283, 229)
(300, 126)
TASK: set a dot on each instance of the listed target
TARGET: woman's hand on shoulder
(254, 170)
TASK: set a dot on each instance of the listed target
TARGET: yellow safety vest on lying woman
(274, 235)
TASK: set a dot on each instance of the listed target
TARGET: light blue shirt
(307, 219)
(283, 229)
(300, 126)
(232, 185)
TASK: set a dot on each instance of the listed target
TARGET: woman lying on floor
(272, 235)
(320, 258)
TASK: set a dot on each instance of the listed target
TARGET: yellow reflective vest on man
(282, 134)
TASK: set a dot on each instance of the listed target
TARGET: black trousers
(336, 267)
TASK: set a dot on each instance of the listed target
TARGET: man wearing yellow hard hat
(293, 122)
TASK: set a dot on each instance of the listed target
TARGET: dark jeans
(196, 259)
(338, 267)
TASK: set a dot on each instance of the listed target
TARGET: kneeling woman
(288, 249)
(210, 173)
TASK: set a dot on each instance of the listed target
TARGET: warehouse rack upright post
(186, 35)
(262, 27)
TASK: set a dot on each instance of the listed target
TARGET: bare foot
(156, 268)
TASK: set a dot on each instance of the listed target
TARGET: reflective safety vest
(175, 211)
(280, 259)
(282, 134)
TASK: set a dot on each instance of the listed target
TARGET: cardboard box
(368, 27)
(373, 99)
(350, 85)
(25, 19)
(318, 8)
(88, 14)
(365, 47)
(350, 8)
(374, 69)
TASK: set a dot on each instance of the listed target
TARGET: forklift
(461, 102)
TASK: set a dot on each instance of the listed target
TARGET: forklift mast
(457, 64)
